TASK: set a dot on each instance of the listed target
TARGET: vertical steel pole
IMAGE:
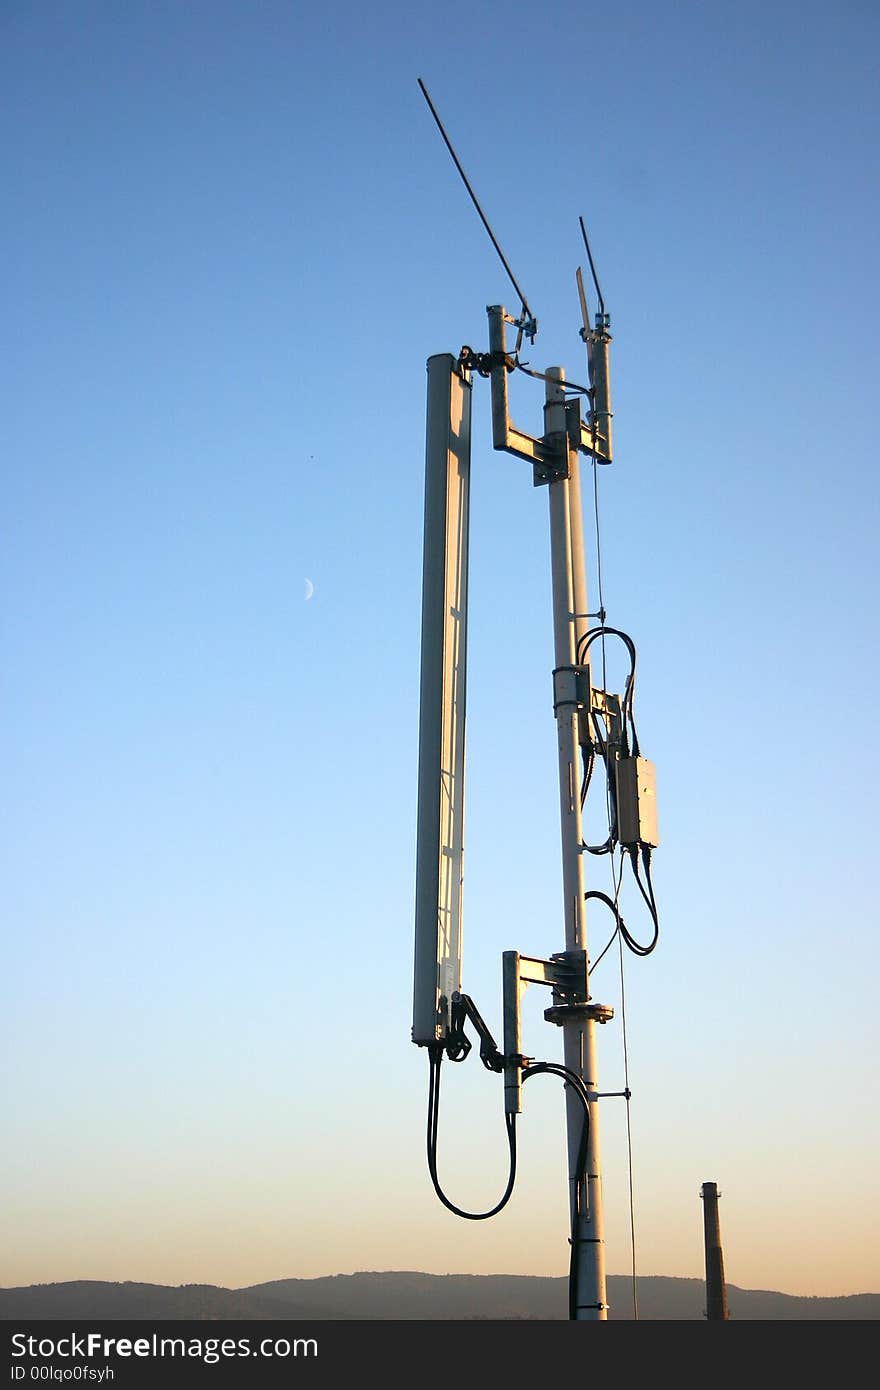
(579, 1040)
(716, 1290)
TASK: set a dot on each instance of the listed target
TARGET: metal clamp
(566, 974)
(483, 362)
(573, 1012)
(571, 688)
(458, 1045)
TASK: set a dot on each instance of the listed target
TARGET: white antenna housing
(440, 834)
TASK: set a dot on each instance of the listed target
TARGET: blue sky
(232, 238)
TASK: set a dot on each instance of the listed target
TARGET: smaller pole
(589, 1297)
(716, 1290)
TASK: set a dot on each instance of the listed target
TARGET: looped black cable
(435, 1055)
(572, 1079)
(648, 897)
(638, 948)
(583, 647)
(607, 845)
(570, 388)
(610, 903)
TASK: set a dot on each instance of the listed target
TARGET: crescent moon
(310, 589)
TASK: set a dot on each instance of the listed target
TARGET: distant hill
(405, 1296)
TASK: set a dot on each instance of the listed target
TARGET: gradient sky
(231, 238)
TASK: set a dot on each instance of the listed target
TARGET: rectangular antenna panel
(440, 834)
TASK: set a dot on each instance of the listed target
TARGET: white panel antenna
(440, 834)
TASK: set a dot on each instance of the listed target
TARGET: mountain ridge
(403, 1295)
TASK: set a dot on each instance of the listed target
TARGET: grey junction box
(636, 803)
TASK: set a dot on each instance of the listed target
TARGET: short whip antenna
(592, 267)
(529, 322)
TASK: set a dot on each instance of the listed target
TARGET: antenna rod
(592, 267)
(464, 178)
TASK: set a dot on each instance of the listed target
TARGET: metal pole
(579, 1041)
(716, 1290)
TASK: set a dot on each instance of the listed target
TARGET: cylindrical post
(716, 1290)
(579, 1043)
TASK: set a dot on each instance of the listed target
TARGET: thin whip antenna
(527, 313)
(592, 267)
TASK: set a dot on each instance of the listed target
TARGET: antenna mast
(593, 726)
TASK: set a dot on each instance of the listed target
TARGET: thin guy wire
(632, 1209)
(464, 178)
(617, 884)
